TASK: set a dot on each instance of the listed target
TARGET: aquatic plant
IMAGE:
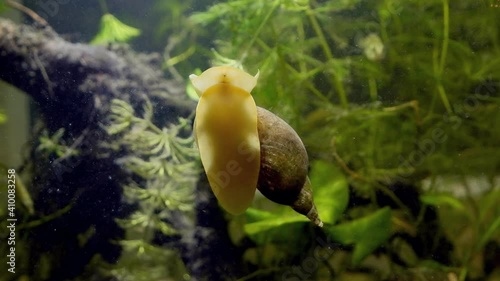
(167, 168)
(112, 30)
(55, 145)
(398, 107)
(398, 100)
(73, 232)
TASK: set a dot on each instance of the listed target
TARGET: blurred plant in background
(399, 97)
(112, 30)
(3, 117)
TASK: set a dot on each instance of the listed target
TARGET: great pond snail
(244, 147)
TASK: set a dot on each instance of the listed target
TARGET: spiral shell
(284, 166)
(244, 147)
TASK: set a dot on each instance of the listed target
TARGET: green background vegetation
(384, 94)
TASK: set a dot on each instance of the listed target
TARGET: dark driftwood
(72, 85)
(79, 77)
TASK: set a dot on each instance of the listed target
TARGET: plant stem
(446, 31)
(257, 32)
(309, 85)
(326, 49)
(444, 98)
(27, 11)
(179, 58)
(442, 59)
(372, 85)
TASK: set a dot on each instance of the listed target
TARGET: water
(395, 103)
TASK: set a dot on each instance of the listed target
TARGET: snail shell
(244, 147)
(284, 166)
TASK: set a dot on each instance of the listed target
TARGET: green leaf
(366, 233)
(488, 204)
(275, 229)
(3, 6)
(266, 227)
(442, 199)
(113, 30)
(255, 215)
(494, 227)
(330, 196)
(331, 193)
